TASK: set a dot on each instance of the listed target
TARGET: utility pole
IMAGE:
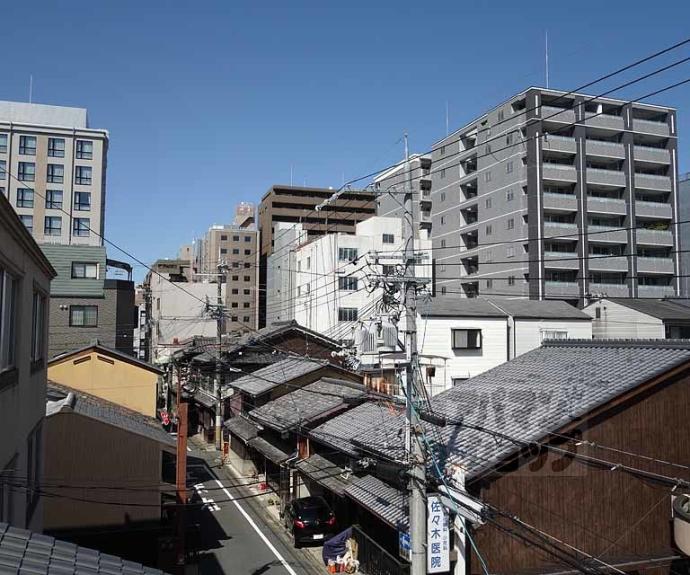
(415, 453)
(217, 383)
(181, 474)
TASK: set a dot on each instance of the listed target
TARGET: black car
(310, 520)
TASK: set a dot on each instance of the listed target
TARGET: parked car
(309, 520)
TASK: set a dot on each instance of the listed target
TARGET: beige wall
(85, 452)
(109, 378)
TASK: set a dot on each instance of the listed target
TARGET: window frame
(25, 203)
(345, 283)
(80, 154)
(80, 206)
(51, 203)
(9, 299)
(49, 230)
(56, 152)
(23, 138)
(80, 179)
(55, 178)
(476, 333)
(83, 308)
(388, 238)
(345, 254)
(345, 313)
(38, 326)
(23, 175)
(78, 231)
(86, 265)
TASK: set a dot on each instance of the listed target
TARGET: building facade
(84, 304)
(53, 171)
(684, 228)
(296, 205)
(25, 275)
(554, 195)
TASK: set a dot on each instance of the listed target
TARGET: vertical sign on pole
(437, 536)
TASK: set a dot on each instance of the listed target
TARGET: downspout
(510, 327)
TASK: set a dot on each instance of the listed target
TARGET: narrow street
(235, 538)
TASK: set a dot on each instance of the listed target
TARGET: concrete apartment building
(296, 205)
(25, 275)
(391, 183)
(52, 162)
(551, 195)
(684, 229)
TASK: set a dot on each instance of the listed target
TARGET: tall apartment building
(684, 229)
(391, 184)
(296, 205)
(555, 195)
(53, 171)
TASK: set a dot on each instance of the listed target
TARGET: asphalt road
(234, 537)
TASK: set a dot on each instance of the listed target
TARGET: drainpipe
(510, 327)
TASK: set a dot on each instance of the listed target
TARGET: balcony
(606, 121)
(563, 202)
(652, 182)
(599, 263)
(655, 291)
(607, 234)
(650, 127)
(562, 289)
(561, 261)
(559, 172)
(605, 177)
(605, 149)
(606, 205)
(559, 144)
(654, 237)
(425, 217)
(656, 155)
(611, 290)
(554, 114)
(557, 229)
(654, 210)
(655, 265)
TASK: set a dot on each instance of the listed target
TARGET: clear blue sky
(209, 103)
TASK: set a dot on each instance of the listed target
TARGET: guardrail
(374, 559)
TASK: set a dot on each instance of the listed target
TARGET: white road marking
(258, 531)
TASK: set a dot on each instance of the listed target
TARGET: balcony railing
(650, 154)
(605, 177)
(651, 127)
(653, 182)
(654, 237)
(608, 263)
(655, 291)
(654, 209)
(605, 149)
(662, 265)
(606, 234)
(606, 205)
(559, 172)
(554, 114)
(594, 120)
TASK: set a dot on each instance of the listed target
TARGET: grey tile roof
(241, 427)
(204, 398)
(306, 404)
(384, 501)
(339, 431)
(530, 396)
(75, 401)
(326, 473)
(265, 379)
(268, 450)
(444, 306)
(666, 310)
(24, 552)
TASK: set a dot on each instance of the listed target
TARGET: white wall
(621, 322)
(529, 333)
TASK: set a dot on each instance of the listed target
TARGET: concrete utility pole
(181, 474)
(217, 382)
(415, 452)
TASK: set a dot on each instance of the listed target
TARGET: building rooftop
(666, 310)
(325, 473)
(64, 399)
(108, 351)
(44, 115)
(389, 504)
(306, 404)
(24, 552)
(242, 428)
(495, 307)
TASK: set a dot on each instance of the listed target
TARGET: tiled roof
(530, 396)
(204, 398)
(340, 430)
(306, 404)
(100, 348)
(66, 400)
(266, 378)
(666, 310)
(241, 427)
(458, 307)
(326, 473)
(500, 307)
(268, 450)
(24, 552)
(384, 501)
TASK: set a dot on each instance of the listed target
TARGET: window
(28, 221)
(466, 338)
(247, 239)
(82, 201)
(38, 321)
(234, 304)
(33, 468)
(85, 270)
(443, 243)
(509, 168)
(442, 267)
(511, 223)
(388, 238)
(81, 227)
(510, 252)
(233, 318)
(488, 148)
(509, 196)
(83, 316)
(553, 334)
(236, 251)
(487, 177)
(56, 147)
(245, 319)
(488, 203)
(235, 278)
(84, 150)
(235, 291)
(223, 238)
(308, 262)
(56, 174)
(53, 199)
(3, 169)
(509, 139)
(387, 269)
(26, 172)
(347, 283)
(489, 284)
(489, 230)
(347, 314)
(82, 175)
(511, 280)
(245, 304)
(501, 115)
(307, 288)
(247, 252)
(27, 145)
(347, 254)
(443, 220)
(25, 198)
(443, 290)
(443, 150)
(3, 143)
(443, 173)
(223, 251)
(247, 265)
(443, 196)
(8, 314)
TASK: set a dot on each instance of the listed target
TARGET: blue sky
(210, 103)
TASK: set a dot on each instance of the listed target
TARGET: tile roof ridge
(621, 343)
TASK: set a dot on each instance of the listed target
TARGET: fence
(374, 559)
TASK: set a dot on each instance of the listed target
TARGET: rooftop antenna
(447, 123)
(291, 170)
(31, 87)
(546, 55)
